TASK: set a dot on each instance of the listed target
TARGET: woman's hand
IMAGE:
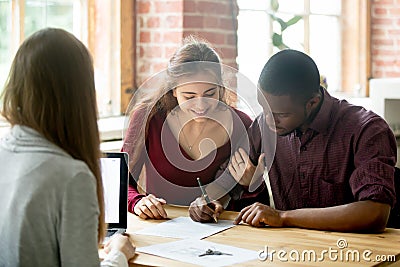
(121, 243)
(199, 211)
(243, 170)
(151, 207)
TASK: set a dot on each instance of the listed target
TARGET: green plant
(277, 38)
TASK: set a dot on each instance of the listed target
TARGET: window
(5, 40)
(20, 19)
(318, 34)
(106, 47)
(95, 22)
(254, 49)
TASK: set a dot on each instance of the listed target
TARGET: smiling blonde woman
(182, 130)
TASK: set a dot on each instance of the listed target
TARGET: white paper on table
(184, 227)
(188, 250)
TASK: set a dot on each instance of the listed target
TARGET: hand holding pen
(203, 209)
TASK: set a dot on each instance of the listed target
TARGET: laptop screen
(114, 172)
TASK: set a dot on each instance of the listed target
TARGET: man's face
(287, 114)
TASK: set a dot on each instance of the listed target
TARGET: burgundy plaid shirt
(348, 154)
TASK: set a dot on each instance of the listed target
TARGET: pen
(203, 192)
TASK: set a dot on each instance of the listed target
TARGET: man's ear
(313, 103)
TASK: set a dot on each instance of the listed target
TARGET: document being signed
(184, 227)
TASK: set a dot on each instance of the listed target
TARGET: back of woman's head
(51, 89)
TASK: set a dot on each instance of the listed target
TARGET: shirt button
(303, 148)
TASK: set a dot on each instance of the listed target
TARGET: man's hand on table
(259, 215)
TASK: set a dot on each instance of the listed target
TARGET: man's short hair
(290, 72)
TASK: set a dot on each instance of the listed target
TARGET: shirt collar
(321, 120)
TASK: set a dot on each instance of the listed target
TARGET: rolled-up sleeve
(374, 160)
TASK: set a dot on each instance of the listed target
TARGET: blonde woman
(181, 129)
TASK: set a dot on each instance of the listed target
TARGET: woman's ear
(174, 92)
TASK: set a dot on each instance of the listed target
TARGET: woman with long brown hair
(50, 186)
(181, 127)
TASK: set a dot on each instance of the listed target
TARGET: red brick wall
(215, 21)
(162, 24)
(385, 43)
(159, 31)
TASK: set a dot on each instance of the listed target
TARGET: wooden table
(289, 240)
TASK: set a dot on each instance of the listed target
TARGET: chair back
(394, 218)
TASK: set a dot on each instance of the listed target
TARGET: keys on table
(213, 252)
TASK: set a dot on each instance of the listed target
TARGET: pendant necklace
(189, 146)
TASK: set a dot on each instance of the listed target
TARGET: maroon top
(347, 154)
(170, 172)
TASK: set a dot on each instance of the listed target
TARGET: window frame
(355, 67)
(356, 58)
(124, 36)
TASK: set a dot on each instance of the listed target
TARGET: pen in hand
(207, 199)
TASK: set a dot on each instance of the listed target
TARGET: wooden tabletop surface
(331, 248)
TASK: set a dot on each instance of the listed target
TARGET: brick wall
(385, 43)
(159, 31)
(215, 21)
(162, 24)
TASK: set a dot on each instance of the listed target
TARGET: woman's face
(198, 99)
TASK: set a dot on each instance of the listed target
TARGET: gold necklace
(189, 146)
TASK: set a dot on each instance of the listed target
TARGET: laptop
(114, 172)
